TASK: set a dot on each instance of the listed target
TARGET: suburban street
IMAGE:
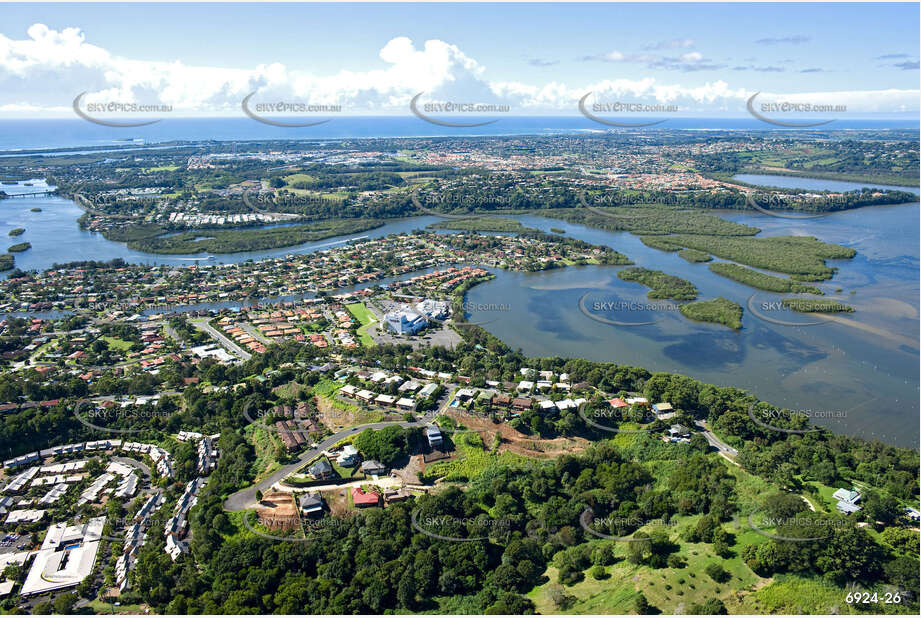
(246, 498)
(202, 324)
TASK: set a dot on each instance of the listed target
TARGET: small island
(719, 311)
(35, 209)
(6, 262)
(761, 281)
(20, 247)
(694, 256)
(662, 285)
(17, 231)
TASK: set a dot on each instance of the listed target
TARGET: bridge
(31, 194)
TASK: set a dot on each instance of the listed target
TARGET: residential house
(321, 469)
(373, 467)
(434, 437)
(361, 499)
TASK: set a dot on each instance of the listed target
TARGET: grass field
(473, 458)
(265, 444)
(363, 315)
(299, 177)
(117, 344)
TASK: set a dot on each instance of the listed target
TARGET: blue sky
(203, 58)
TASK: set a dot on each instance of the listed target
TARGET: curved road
(715, 442)
(246, 498)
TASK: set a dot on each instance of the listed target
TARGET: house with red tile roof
(363, 500)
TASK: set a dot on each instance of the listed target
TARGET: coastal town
(158, 417)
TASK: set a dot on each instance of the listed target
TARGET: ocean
(31, 134)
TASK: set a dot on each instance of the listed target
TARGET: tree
(880, 507)
(511, 604)
(64, 604)
(716, 572)
(641, 605)
(712, 607)
(782, 505)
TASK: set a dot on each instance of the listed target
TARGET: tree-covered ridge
(377, 560)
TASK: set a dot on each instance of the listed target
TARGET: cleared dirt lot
(520, 443)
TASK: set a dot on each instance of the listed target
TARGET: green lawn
(117, 344)
(102, 607)
(363, 315)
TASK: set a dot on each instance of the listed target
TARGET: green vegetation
(20, 247)
(389, 445)
(35, 209)
(801, 256)
(719, 310)
(117, 344)
(482, 224)
(760, 280)
(662, 285)
(233, 241)
(693, 255)
(810, 305)
(137, 231)
(849, 159)
(17, 231)
(363, 315)
(6, 262)
(650, 219)
(557, 230)
(659, 242)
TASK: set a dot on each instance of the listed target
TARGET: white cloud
(46, 70)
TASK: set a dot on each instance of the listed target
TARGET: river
(862, 368)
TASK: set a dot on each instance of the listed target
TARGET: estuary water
(856, 373)
(860, 369)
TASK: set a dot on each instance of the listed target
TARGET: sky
(707, 59)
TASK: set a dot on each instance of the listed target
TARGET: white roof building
(66, 558)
